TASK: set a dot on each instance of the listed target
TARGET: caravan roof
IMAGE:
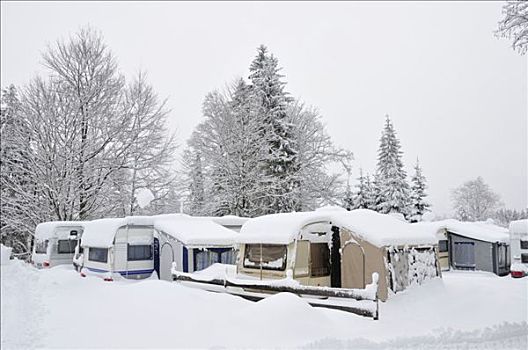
(101, 233)
(46, 230)
(193, 231)
(480, 230)
(378, 229)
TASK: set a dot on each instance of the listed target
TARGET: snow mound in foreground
(504, 336)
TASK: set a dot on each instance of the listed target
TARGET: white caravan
(519, 248)
(134, 247)
(55, 243)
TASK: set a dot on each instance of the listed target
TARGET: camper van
(338, 249)
(519, 248)
(470, 246)
(55, 243)
(134, 247)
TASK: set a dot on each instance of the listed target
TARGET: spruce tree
(280, 182)
(361, 197)
(393, 194)
(418, 205)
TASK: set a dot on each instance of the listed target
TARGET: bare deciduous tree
(514, 24)
(474, 200)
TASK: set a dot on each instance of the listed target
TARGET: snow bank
(378, 229)
(519, 228)
(463, 308)
(480, 230)
(101, 233)
(46, 230)
(5, 254)
(195, 231)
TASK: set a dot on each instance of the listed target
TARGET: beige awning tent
(400, 253)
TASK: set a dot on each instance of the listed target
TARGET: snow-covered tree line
(514, 24)
(81, 142)
(259, 151)
(388, 190)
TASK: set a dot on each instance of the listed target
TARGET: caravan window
(320, 257)
(41, 247)
(273, 256)
(524, 258)
(442, 246)
(98, 254)
(139, 252)
(66, 246)
(524, 244)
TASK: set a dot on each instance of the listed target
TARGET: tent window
(205, 258)
(524, 258)
(139, 252)
(465, 255)
(442, 246)
(320, 257)
(273, 256)
(66, 246)
(524, 244)
(41, 247)
(98, 254)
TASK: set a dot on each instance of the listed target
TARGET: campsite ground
(57, 308)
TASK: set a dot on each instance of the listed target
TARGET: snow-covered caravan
(337, 249)
(479, 246)
(193, 244)
(136, 246)
(519, 247)
(118, 247)
(55, 242)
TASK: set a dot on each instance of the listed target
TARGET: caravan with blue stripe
(138, 247)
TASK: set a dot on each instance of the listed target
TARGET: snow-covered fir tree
(418, 205)
(280, 180)
(370, 193)
(393, 192)
(361, 196)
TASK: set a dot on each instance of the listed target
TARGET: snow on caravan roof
(280, 228)
(381, 229)
(46, 230)
(193, 231)
(100, 233)
(226, 220)
(378, 229)
(480, 230)
(519, 228)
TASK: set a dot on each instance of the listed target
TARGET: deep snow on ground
(57, 308)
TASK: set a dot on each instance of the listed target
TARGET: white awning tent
(378, 229)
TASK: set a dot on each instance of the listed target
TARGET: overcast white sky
(456, 94)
